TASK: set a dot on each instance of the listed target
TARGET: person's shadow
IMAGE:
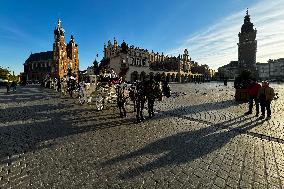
(184, 147)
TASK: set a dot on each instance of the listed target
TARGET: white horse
(85, 92)
(64, 87)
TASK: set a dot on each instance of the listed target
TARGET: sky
(208, 29)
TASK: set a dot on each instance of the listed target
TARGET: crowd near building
(247, 47)
(58, 63)
(135, 63)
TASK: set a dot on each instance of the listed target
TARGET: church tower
(247, 46)
(59, 52)
(72, 57)
(65, 56)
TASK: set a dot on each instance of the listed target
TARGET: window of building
(144, 62)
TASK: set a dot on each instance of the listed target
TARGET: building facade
(38, 66)
(276, 69)
(272, 70)
(263, 71)
(56, 63)
(229, 71)
(247, 46)
(134, 63)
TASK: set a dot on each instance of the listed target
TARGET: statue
(124, 47)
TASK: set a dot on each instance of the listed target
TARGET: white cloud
(217, 45)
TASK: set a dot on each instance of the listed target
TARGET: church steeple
(59, 31)
(247, 26)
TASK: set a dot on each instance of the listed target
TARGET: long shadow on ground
(193, 109)
(34, 127)
(184, 147)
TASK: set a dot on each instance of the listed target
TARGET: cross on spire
(59, 23)
(247, 11)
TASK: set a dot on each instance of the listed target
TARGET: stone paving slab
(199, 138)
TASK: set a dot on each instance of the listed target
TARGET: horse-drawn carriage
(99, 91)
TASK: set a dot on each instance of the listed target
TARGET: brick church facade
(58, 63)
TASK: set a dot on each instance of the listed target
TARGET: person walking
(265, 96)
(14, 86)
(58, 85)
(8, 86)
(151, 94)
(121, 100)
(253, 90)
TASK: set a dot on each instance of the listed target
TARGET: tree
(243, 79)
(4, 73)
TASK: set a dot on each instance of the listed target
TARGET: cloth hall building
(134, 63)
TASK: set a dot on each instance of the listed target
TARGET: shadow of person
(183, 147)
(193, 109)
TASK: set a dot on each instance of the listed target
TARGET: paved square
(199, 138)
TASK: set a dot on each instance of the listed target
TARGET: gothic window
(132, 61)
(144, 62)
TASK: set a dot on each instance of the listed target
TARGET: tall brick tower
(247, 46)
(59, 52)
(65, 56)
(72, 56)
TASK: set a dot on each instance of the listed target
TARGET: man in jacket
(253, 96)
(265, 96)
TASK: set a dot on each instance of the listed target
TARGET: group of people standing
(260, 95)
(64, 85)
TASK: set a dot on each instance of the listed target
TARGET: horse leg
(152, 107)
(138, 111)
(124, 110)
(121, 114)
(142, 107)
(134, 104)
(149, 108)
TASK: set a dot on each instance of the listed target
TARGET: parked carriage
(98, 91)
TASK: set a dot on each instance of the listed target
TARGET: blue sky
(208, 29)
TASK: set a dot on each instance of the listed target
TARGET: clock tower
(247, 46)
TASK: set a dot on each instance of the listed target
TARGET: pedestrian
(8, 86)
(14, 85)
(58, 85)
(140, 98)
(225, 82)
(121, 100)
(253, 90)
(152, 92)
(132, 95)
(265, 96)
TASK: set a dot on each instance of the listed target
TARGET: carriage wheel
(81, 100)
(100, 103)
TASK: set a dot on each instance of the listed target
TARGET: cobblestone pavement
(199, 138)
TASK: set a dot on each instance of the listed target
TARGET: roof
(40, 56)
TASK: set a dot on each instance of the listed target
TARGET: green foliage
(6, 75)
(242, 81)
